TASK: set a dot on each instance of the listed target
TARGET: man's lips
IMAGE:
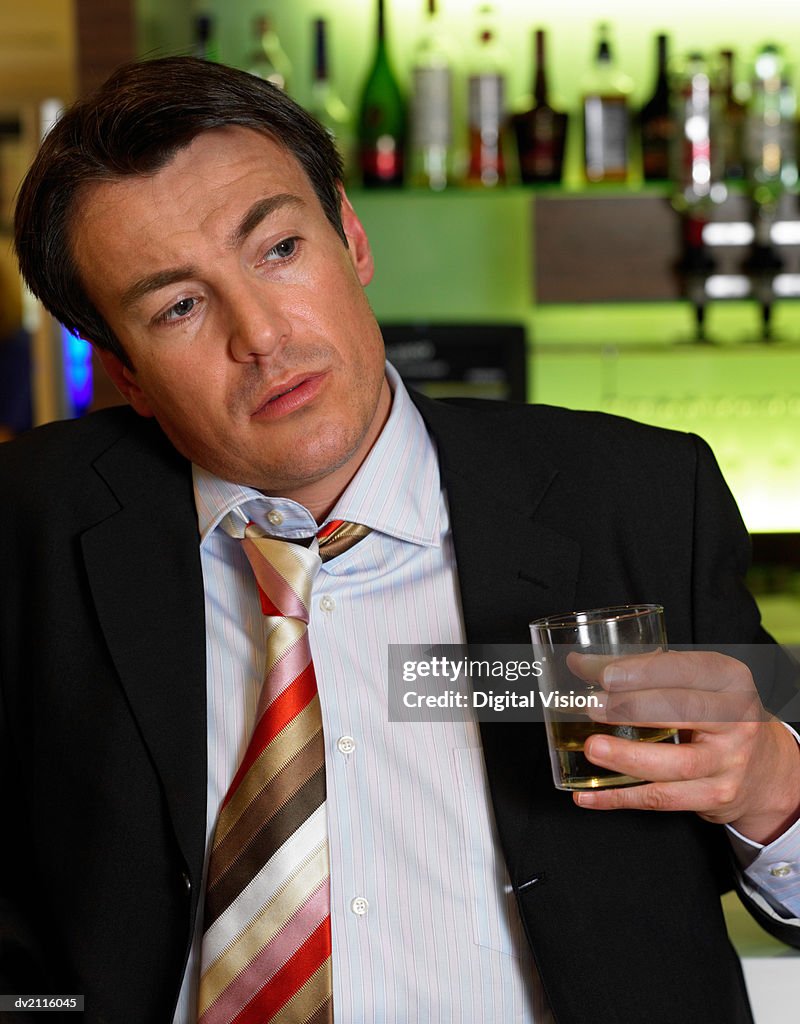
(289, 395)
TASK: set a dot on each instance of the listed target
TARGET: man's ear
(360, 252)
(124, 381)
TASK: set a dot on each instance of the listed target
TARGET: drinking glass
(609, 632)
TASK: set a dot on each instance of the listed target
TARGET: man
(189, 220)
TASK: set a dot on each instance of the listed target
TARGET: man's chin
(297, 474)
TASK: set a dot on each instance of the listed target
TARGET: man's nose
(258, 325)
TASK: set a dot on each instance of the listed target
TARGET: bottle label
(657, 142)
(431, 120)
(540, 141)
(486, 102)
(382, 162)
(606, 126)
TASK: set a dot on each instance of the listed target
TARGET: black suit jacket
(103, 718)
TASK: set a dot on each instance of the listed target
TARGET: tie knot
(285, 569)
(285, 574)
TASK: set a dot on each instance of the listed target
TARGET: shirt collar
(395, 491)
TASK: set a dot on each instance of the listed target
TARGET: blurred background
(590, 206)
(599, 214)
(593, 213)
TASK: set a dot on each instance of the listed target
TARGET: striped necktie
(266, 954)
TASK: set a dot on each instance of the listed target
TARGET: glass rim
(613, 613)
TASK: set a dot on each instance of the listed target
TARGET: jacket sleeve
(725, 613)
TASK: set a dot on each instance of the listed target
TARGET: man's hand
(735, 764)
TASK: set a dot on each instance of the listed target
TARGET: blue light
(77, 355)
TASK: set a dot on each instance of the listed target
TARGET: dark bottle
(541, 131)
(732, 122)
(657, 122)
(203, 44)
(381, 120)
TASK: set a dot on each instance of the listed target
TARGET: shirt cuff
(772, 870)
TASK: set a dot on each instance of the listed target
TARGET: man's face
(241, 310)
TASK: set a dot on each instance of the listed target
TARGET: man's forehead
(212, 160)
(223, 172)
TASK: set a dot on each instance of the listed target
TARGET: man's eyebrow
(259, 211)
(152, 282)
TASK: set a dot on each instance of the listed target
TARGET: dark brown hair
(134, 124)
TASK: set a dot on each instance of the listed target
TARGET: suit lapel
(144, 572)
(512, 565)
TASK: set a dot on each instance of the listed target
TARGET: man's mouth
(280, 394)
(289, 395)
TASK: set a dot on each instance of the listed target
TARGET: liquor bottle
(731, 127)
(268, 59)
(326, 104)
(606, 116)
(657, 122)
(486, 108)
(541, 131)
(203, 44)
(381, 119)
(432, 155)
(771, 168)
(769, 137)
(698, 165)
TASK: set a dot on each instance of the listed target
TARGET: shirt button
(359, 906)
(346, 744)
(327, 603)
(781, 870)
(275, 517)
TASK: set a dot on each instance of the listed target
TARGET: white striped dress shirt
(425, 927)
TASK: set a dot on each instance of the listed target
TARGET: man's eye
(283, 250)
(181, 309)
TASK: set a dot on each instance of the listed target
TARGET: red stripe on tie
(329, 528)
(287, 706)
(290, 978)
(267, 607)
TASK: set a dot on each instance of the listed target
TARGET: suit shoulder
(55, 460)
(601, 427)
(599, 435)
(63, 443)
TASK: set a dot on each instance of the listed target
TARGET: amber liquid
(572, 770)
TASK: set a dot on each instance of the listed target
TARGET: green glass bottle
(382, 119)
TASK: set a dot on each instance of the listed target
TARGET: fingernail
(600, 747)
(613, 675)
(585, 799)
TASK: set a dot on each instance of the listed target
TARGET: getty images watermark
(505, 682)
(449, 671)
